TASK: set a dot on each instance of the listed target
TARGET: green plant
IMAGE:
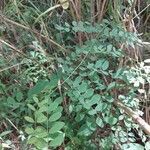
(93, 85)
(44, 124)
(63, 69)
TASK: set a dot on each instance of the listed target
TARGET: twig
(33, 31)
(18, 51)
(11, 67)
(48, 10)
(141, 11)
(145, 126)
(12, 124)
(12, 47)
(101, 13)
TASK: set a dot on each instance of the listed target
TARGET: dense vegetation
(74, 74)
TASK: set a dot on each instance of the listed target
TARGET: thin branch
(20, 52)
(12, 124)
(11, 67)
(136, 118)
(48, 10)
(33, 31)
(101, 13)
(12, 47)
(141, 11)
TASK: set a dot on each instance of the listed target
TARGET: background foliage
(63, 65)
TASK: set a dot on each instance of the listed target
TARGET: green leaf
(84, 131)
(32, 140)
(102, 64)
(38, 88)
(67, 24)
(35, 99)
(71, 108)
(77, 81)
(109, 98)
(111, 120)
(98, 64)
(109, 48)
(88, 93)
(43, 108)
(90, 66)
(90, 122)
(136, 83)
(11, 101)
(132, 146)
(5, 133)
(83, 87)
(76, 93)
(92, 112)
(2, 147)
(147, 60)
(99, 107)
(78, 107)
(56, 127)
(46, 101)
(40, 117)
(59, 109)
(121, 33)
(57, 141)
(29, 119)
(53, 81)
(141, 80)
(19, 96)
(55, 116)
(80, 116)
(53, 106)
(95, 99)
(29, 130)
(87, 105)
(59, 100)
(99, 122)
(105, 65)
(74, 23)
(147, 145)
(38, 142)
(40, 132)
(31, 107)
(111, 85)
(118, 74)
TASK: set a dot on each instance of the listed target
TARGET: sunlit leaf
(99, 122)
(31, 107)
(29, 119)
(55, 116)
(29, 130)
(40, 117)
(56, 127)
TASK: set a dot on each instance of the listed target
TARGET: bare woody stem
(136, 118)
